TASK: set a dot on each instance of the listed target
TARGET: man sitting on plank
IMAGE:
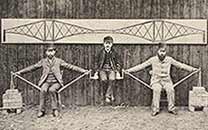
(161, 64)
(108, 67)
(51, 79)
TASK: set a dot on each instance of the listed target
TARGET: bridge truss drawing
(152, 31)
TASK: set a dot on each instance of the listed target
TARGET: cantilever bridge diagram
(152, 31)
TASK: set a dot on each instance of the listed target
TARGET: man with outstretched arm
(51, 79)
(161, 64)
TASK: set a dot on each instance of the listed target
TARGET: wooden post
(12, 82)
(199, 82)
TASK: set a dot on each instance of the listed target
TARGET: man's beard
(161, 57)
(50, 56)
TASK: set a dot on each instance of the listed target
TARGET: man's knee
(103, 79)
(156, 88)
(54, 88)
(169, 88)
(44, 89)
(112, 76)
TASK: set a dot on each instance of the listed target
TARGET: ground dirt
(105, 118)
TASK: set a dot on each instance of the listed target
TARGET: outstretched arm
(140, 66)
(182, 65)
(72, 67)
(30, 68)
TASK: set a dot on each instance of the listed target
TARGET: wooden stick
(180, 81)
(139, 80)
(23, 79)
(200, 79)
(12, 82)
(78, 78)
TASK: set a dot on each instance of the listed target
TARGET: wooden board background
(87, 92)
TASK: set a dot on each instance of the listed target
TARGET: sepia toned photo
(103, 65)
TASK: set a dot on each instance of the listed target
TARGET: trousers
(108, 78)
(157, 88)
(50, 88)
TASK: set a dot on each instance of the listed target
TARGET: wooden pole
(12, 82)
(176, 84)
(200, 78)
(139, 80)
(78, 78)
(23, 79)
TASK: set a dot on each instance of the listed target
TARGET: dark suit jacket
(55, 68)
(115, 60)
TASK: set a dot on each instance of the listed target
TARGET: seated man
(51, 79)
(161, 79)
(108, 64)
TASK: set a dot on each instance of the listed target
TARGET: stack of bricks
(12, 99)
(198, 97)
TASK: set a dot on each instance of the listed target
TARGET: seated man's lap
(107, 75)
